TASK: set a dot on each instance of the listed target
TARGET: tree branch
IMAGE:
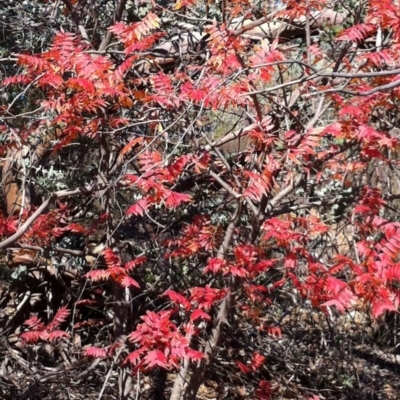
(119, 9)
(56, 195)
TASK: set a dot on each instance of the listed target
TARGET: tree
(171, 170)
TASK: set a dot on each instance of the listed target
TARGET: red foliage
(47, 333)
(264, 391)
(256, 221)
(95, 352)
(115, 270)
(160, 343)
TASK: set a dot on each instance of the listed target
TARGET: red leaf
(215, 265)
(80, 84)
(273, 331)
(60, 317)
(196, 314)
(178, 298)
(264, 392)
(112, 259)
(95, 352)
(32, 336)
(97, 275)
(17, 80)
(243, 368)
(206, 297)
(174, 199)
(238, 271)
(155, 358)
(134, 357)
(257, 361)
(357, 33)
(34, 323)
(194, 355)
(128, 147)
(176, 168)
(127, 281)
(55, 335)
(130, 265)
(7, 227)
(150, 160)
(139, 208)
(343, 297)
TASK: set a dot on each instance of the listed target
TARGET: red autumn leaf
(155, 358)
(175, 199)
(139, 208)
(59, 318)
(134, 357)
(112, 259)
(264, 391)
(57, 335)
(35, 323)
(81, 84)
(178, 298)
(243, 368)
(95, 352)
(129, 146)
(130, 265)
(215, 265)
(257, 361)
(7, 227)
(273, 331)
(238, 271)
(194, 355)
(97, 275)
(34, 336)
(127, 281)
(196, 314)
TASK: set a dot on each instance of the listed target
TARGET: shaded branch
(119, 9)
(56, 195)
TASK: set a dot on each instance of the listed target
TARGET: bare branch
(119, 9)
(57, 195)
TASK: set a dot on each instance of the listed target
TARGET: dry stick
(269, 17)
(230, 137)
(75, 19)
(359, 74)
(212, 343)
(369, 92)
(137, 386)
(109, 374)
(7, 242)
(254, 24)
(23, 92)
(53, 14)
(119, 9)
(319, 111)
(273, 202)
(244, 131)
(17, 312)
(281, 86)
(8, 59)
(308, 33)
(228, 188)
